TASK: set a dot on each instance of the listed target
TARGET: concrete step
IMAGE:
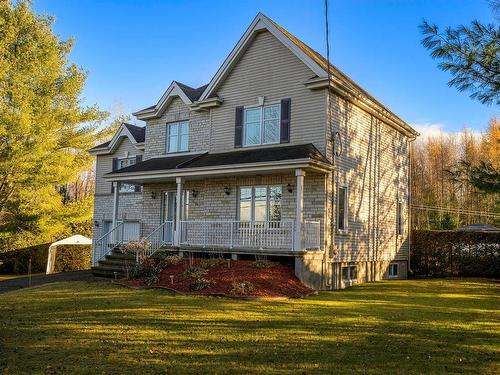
(100, 272)
(118, 256)
(117, 262)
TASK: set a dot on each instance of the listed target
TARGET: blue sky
(132, 50)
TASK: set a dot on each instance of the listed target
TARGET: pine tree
(471, 54)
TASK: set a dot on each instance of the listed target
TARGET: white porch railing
(104, 245)
(311, 235)
(238, 234)
(161, 236)
(121, 234)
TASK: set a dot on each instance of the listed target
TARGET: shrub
(455, 253)
(200, 283)
(264, 264)
(211, 262)
(17, 261)
(195, 272)
(242, 288)
(136, 248)
(73, 258)
(148, 270)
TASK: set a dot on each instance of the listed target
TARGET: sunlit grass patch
(419, 326)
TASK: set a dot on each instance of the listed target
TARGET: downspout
(409, 203)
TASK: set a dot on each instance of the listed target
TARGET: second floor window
(178, 136)
(342, 204)
(262, 125)
(126, 162)
(122, 163)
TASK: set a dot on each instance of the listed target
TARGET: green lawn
(417, 327)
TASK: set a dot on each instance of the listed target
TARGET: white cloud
(435, 130)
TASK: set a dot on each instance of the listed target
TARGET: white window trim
(167, 141)
(392, 275)
(346, 209)
(252, 201)
(261, 126)
(128, 157)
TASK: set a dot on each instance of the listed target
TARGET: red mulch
(276, 281)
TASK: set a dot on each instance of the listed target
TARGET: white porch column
(178, 211)
(299, 214)
(116, 196)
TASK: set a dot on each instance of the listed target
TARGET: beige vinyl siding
(104, 164)
(269, 69)
(177, 110)
(374, 165)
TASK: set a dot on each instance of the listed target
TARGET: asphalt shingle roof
(266, 154)
(138, 132)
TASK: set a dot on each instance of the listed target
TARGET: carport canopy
(77, 239)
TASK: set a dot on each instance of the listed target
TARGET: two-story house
(279, 154)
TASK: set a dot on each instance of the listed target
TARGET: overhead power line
(455, 210)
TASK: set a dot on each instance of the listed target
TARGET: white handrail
(105, 244)
(160, 236)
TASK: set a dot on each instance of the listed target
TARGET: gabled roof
(343, 84)
(205, 96)
(136, 135)
(231, 158)
(176, 89)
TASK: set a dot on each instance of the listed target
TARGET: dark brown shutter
(286, 106)
(238, 127)
(114, 167)
(138, 158)
(137, 188)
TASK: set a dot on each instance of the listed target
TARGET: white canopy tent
(73, 240)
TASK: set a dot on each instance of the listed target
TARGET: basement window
(349, 273)
(393, 270)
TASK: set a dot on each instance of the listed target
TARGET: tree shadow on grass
(387, 327)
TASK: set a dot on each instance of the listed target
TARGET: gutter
(224, 169)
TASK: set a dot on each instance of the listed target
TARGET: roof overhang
(173, 91)
(364, 103)
(221, 170)
(121, 133)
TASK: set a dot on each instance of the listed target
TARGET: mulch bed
(278, 280)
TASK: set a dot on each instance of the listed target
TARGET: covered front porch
(276, 209)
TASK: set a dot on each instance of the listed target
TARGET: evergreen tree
(471, 54)
(45, 130)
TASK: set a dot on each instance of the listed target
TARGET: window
(349, 273)
(342, 205)
(262, 125)
(260, 203)
(122, 163)
(178, 136)
(399, 218)
(393, 270)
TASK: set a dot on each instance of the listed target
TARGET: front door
(168, 215)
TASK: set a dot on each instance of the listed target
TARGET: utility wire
(454, 210)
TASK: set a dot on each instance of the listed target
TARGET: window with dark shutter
(286, 106)
(138, 158)
(238, 127)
